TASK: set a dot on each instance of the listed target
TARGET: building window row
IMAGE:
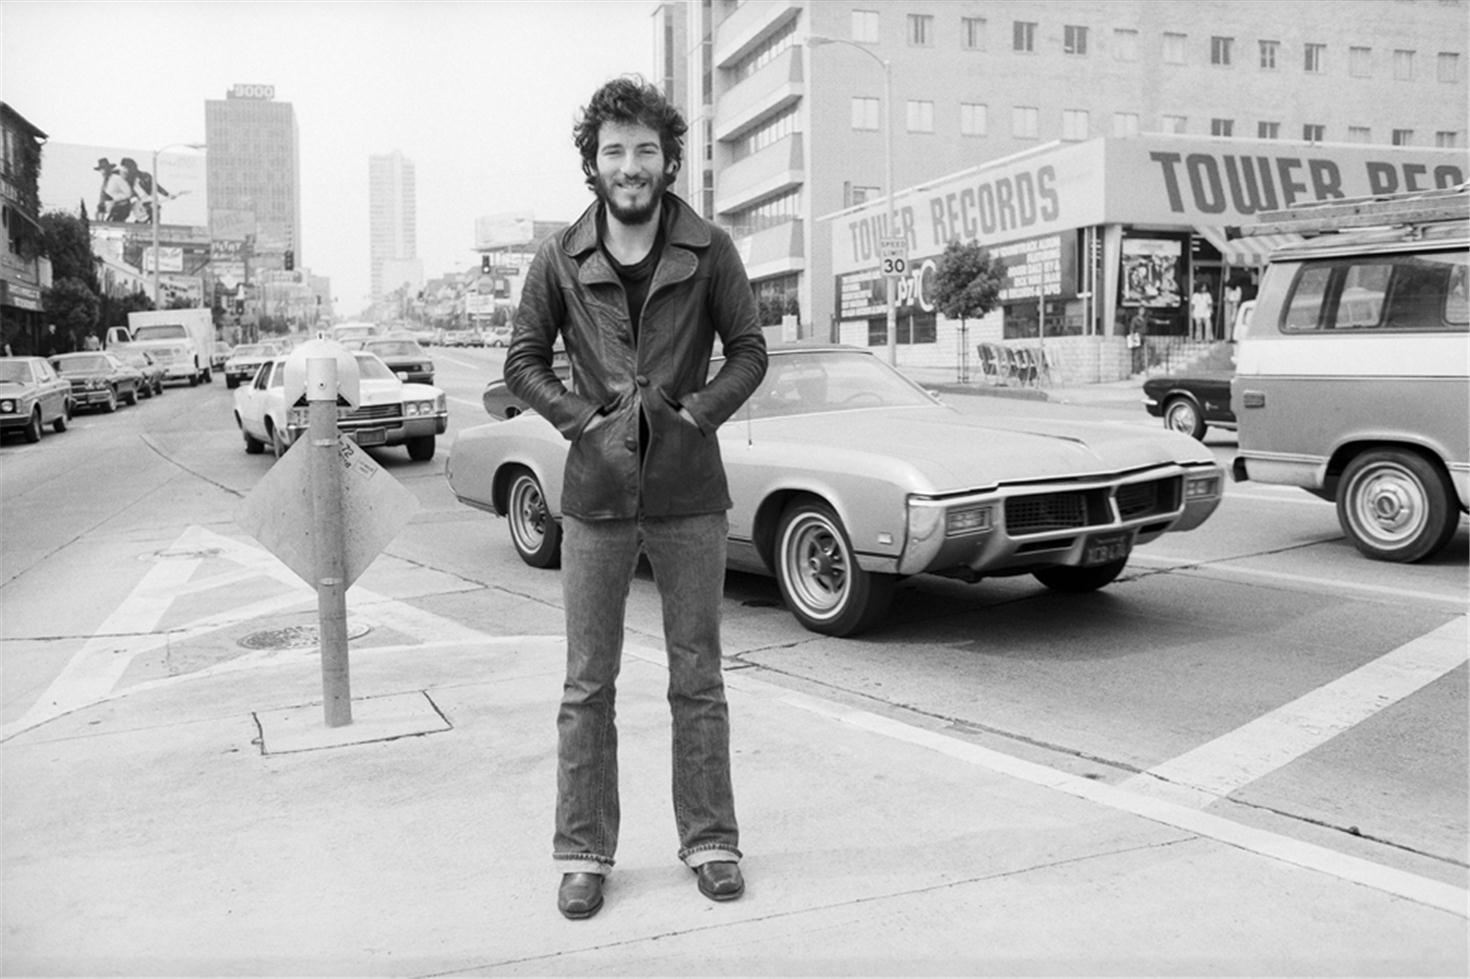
(764, 53)
(767, 214)
(921, 32)
(1076, 124)
(768, 134)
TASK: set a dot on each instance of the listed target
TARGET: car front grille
(1144, 499)
(372, 413)
(1045, 511)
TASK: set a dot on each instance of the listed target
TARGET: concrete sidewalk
(208, 823)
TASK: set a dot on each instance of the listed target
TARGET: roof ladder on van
(1383, 210)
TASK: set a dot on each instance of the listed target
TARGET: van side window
(1419, 293)
(1304, 310)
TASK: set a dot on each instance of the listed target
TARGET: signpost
(326, 512)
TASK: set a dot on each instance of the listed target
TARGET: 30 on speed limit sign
(894, 253)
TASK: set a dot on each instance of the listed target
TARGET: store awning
(1251, 251)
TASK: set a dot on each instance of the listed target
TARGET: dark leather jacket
(699, 292)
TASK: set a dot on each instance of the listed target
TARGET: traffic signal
(485, 264)
(290, 260)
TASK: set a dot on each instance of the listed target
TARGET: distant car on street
(391, 412)
(404, 357)
(847, 477)
(499, 336)
(32, 396)
(152, 369)
(99, 379)
(246, 359)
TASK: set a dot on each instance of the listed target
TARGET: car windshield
(15, 371)
(83, 362)
(830, 380)
(395, 348)
(370, 368)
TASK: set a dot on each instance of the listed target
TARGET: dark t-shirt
(636, 277)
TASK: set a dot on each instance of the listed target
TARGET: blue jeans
(599, 559)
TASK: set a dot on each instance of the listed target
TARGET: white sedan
(390, 413)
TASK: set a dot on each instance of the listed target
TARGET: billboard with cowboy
(117, 185)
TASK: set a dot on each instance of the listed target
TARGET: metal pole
(329, 530)
(153, 211)
(892, 209)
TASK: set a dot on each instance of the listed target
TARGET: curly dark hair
(629, 99)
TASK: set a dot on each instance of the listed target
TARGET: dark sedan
(152, 369)
(404, 357)
(99, 379)
(1191, 403)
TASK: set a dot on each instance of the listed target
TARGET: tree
(72, 307)
(967, 284)
(68, 243)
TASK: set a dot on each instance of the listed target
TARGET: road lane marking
(1274, 740)
(1413, 887)
(1207, 566)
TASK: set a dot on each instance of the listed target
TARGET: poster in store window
(1151, 272)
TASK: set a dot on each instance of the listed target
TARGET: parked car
(219, 355)
(391, 412)
(499, 336)
(1191, 403)
(99, 379)
(246, 359)
(32, 395)
(149, 366)
(846, 477)
(404, 357)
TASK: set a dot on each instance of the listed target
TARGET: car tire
(158, 386)
(1396, 505)
(421, 448)
(59, 423)
(819, 575)
(110, 405)
(131, 397)
(278, 444)
(534, 532)
(33, 426)
(1076, 581)
(1182, 414)
(231, 382)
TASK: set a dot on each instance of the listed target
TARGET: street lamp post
(156, 205)
(817, 40)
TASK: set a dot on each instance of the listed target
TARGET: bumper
(387, 431)
(1109, 521)
(89, 398)
(16, 419)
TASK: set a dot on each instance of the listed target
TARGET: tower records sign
(243, 91)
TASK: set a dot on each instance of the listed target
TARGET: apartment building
(392, 223)
(803, 111)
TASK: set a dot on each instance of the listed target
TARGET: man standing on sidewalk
(637, 290)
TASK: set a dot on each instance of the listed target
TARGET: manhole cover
(296, 637)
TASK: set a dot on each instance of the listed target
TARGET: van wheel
(533, 530)
(819, 575)
(1183, 415)
(1395, 506)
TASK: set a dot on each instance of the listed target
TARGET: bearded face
(632, 175)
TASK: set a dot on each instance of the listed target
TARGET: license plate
(369, 436)
(1107, 547)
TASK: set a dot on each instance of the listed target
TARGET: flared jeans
(599, 559)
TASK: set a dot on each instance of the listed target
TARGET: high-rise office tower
(254, 173)
(392, 222)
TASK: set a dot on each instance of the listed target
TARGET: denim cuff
(709, 853)
(578, 863)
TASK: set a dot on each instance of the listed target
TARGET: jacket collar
(681, 227)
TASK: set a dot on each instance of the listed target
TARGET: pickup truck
(181, 339)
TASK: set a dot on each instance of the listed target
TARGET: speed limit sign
(894, 255)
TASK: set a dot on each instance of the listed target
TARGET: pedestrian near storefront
(1201, 309)
(637, 291)
(1137, 330)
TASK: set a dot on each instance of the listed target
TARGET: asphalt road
(1258, 663)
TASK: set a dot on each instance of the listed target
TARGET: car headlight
(95, 384)
(7, 406)
(1201, 487)
(967, 520)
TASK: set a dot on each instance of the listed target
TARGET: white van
(1353, 375)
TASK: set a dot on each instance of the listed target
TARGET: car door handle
(1253, 399)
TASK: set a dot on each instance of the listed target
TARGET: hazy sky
(481, 96)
